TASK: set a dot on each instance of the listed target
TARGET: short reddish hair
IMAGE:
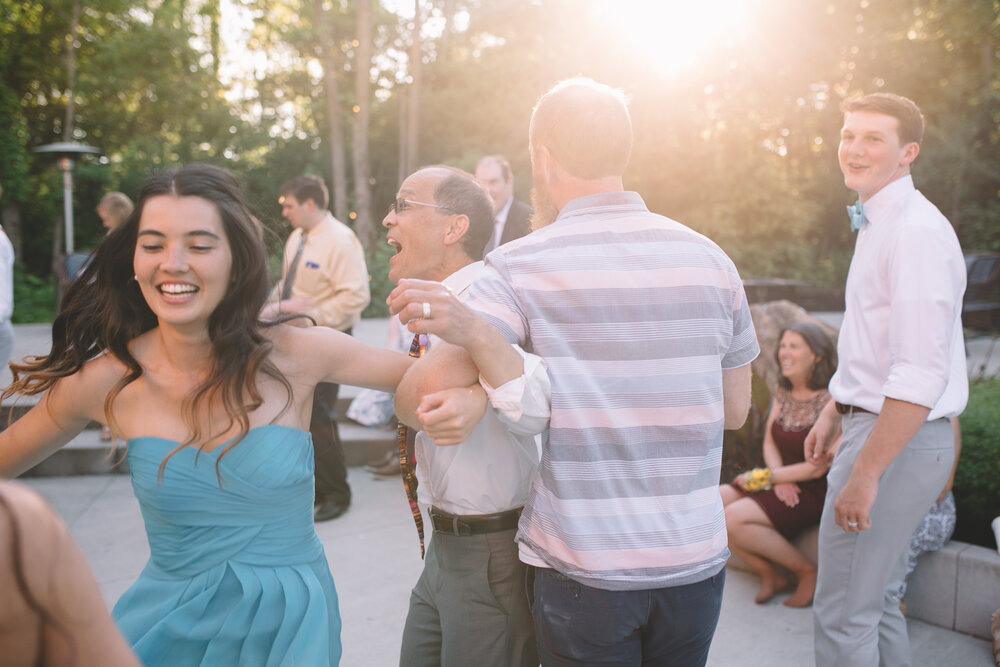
(904, 110)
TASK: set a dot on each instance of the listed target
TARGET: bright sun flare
(673, 34)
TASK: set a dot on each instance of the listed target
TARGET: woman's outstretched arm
(328, 355)
(60, 414)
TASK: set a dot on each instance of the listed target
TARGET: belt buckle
(460, 528)
(449, 523)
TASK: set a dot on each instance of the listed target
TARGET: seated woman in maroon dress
(768, 507)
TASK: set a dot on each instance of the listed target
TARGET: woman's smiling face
(182, 259)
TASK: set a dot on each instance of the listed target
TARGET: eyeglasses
(399, 205)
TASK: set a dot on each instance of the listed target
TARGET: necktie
(286, 287)
(857, 214)
(405, 440)
(494, 242)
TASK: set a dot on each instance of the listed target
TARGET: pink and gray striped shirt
(636, 317)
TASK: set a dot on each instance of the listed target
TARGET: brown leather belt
(851, 409)
(473, 524)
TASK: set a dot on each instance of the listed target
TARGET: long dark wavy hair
(104, 310)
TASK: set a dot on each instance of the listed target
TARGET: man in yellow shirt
(324, 277)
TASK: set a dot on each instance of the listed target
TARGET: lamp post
(65, 152)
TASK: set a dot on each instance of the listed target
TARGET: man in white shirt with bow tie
(902, 374)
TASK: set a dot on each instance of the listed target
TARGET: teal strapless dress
(236, 573)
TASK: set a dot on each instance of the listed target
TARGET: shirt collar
(582, 205)
(878, 207)
(459, 281)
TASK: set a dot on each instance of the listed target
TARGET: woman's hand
(741, 481)
(788, 493)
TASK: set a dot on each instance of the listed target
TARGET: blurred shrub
(977, 480)
(378, 274)
(34, 297)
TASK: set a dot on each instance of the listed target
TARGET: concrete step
(87, 454)
(956, 587)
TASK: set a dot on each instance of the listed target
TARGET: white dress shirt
(6, 278)
(492, 470)
(902, 332)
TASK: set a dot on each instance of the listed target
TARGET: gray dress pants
(856, 611)
(470, 606)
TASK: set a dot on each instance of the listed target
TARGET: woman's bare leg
(751, 531)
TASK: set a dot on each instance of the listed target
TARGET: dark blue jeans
(579, 625)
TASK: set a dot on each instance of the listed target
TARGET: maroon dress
(789, 431)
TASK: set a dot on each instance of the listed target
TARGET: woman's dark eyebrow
(196, 232)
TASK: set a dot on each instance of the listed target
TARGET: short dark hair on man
(500, 161)
(820, 344)
(586, 127)
(463, 194)
(306, 187)
(903, 109)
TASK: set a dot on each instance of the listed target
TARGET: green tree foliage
(738, 140)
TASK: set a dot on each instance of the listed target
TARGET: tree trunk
(10, 220)
(213, 10)
(404, 162)
(362, 93)
(413, 106)
(334, 120)
(448, 11)
(69, 121)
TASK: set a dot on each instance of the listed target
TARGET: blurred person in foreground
(901, 376)
(51, 610)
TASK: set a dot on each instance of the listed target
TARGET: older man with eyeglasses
(469, 604)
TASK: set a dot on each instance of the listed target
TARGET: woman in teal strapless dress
(160, 339)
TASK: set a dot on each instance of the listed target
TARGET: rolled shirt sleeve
(524, 403)
(927, 287)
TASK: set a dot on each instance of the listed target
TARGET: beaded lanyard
(405, 440)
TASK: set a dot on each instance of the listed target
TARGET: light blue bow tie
(857, 214)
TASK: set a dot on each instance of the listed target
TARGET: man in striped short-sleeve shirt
(647, 335)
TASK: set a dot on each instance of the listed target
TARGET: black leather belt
(473, 524)
(851, 409)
